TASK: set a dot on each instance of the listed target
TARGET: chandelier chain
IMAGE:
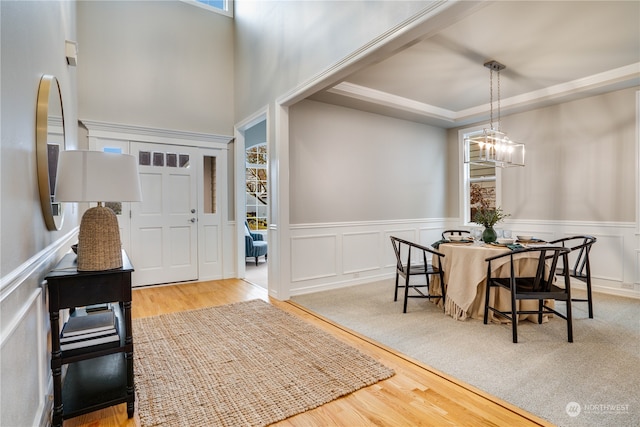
(491, 97)
(499, 120)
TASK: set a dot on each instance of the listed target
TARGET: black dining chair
(539, 286)
(446, 234)
(421, 266)
(581, 269)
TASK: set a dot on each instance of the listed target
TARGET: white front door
(164, 229)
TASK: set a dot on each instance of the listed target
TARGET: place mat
(242, 364)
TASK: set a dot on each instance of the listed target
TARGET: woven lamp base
(99, 246)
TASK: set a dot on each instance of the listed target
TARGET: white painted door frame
(219, 262)
(241, 189)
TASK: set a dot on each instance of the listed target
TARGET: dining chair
(539, 286)
(448, 233)
(423, 266)
(582, 267)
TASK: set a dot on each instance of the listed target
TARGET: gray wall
(33, 38)
(162, 64)
(281, 44)
(580, 163)
(28, 52)
(349, 165)
(168, 65)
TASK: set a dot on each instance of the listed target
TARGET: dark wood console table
(94, 379)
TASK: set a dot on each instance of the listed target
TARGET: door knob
(193, 211)
(192, 220)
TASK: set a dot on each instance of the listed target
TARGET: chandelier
(493, 147)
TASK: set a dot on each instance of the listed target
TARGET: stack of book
(91, 332)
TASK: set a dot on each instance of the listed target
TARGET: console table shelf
(94, 384)
(94, 379)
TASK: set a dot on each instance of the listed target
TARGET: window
(256, 186)
(224, 7)
(209, 184)
(480, 183)
(116, 207)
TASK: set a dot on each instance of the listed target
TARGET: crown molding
(142, 133)
(394, 101)
(615, 79)
(439, 14)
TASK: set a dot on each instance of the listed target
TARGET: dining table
(465, 274)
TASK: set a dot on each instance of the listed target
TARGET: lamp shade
(94, 176)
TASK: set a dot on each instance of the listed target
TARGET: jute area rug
(242, 364)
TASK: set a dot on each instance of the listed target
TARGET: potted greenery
(488, 217)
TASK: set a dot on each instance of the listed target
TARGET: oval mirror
(49, 143)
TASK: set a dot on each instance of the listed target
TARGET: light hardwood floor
(416, 396)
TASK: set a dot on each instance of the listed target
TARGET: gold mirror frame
(49, 122)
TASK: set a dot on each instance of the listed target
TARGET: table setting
(465, 271)
(465, 266)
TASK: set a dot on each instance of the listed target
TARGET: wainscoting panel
(389, 256)
(314, 257)
(211, 243)
(603, 265)
(614, 268)
(329, 256)
(360, 252)
(22, 350)
(431, 234)
(26, 384)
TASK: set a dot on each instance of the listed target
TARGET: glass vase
(489, 235)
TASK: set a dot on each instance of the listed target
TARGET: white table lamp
(94, 176)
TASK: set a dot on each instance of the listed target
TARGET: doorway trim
(97, 132)
(240, 187)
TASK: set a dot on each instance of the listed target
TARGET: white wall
(33, 43)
